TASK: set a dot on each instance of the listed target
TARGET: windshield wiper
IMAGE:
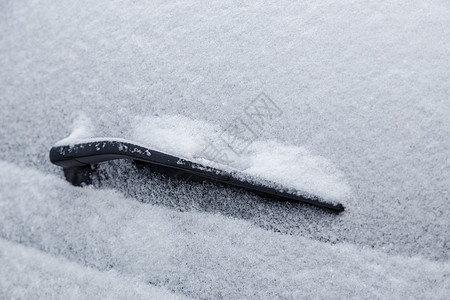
(77, 159)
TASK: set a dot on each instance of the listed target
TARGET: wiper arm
(77, 159)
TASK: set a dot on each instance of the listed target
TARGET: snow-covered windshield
(346, 100)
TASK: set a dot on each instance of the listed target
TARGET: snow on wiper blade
(77, 158)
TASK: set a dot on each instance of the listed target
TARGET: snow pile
(294, 167)
(82, 128)
(286, 166)
(173, 134)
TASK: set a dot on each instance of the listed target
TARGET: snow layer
(197, 254)
(28, 273)
(364, 92)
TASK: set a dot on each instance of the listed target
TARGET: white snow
(28, 273)
(287, 167)
(363, 89)
(82, 128)
(294, 167)
(115, 240)
(174, 134)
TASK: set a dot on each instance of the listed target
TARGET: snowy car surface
(346, 100)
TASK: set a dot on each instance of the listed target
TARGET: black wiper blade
(76, 159)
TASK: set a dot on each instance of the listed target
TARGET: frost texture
(365, 85)
(113, 240)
